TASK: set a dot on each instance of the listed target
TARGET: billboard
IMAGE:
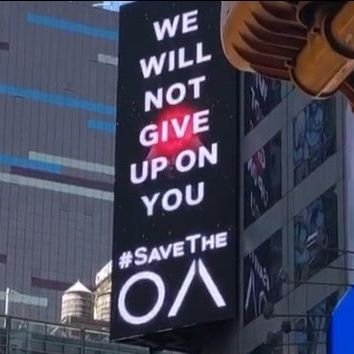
(261, 96)
(341, 339)
(314, 137)
(316, 236)
(262, 282)
(262, 180)
(174, 248)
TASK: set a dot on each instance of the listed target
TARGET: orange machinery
(310, 43)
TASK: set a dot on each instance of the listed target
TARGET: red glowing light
(174, 144)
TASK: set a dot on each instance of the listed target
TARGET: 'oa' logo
(196, 266)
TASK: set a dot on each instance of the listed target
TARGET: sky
(111, 5)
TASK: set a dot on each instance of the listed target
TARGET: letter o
(166, 205)
(181, 93)
(180, 166)
(138, 320)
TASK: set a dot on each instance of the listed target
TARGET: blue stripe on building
(9, 160)
(101, 125)
(70, 26)
(58, 100)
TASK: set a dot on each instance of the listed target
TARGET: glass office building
(58, 82)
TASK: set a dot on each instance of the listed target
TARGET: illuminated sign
(262, 282)
(262, 180)
(314, 137)
(174, 251)
(261, 96)
(316, 236)
(103, 273)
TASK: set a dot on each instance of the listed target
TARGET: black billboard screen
(262, 180)
(262, 283)
(261, 96)
(314, 137)
(174, 248)
(316, 236)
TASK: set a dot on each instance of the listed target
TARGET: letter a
(207, 280)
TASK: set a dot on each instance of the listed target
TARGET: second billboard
(175, 232)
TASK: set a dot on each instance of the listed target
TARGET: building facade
(295, 214)
(293, 210)
(58, 82)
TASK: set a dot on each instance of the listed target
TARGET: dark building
(296, 168)
(58, 79)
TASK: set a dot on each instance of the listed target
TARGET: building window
(3, 258)
(50, 284)
(4, 46)
(262, 180)
(274, 345)
(311, 331)
(261, 96)
(262, 283)
(316, 236)
(314, 137)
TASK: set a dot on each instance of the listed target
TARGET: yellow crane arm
(310, 43)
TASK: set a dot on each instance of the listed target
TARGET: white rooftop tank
(77, 302)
